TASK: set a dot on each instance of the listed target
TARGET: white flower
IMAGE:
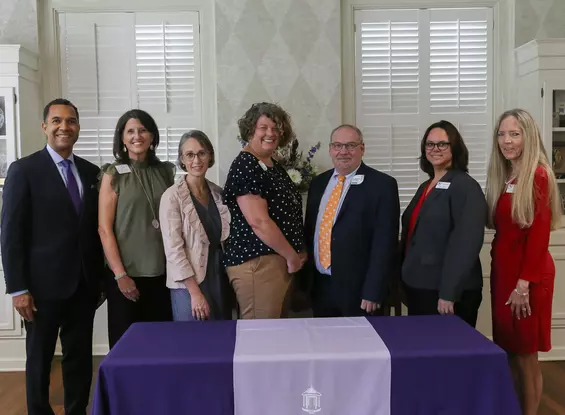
(295, 176)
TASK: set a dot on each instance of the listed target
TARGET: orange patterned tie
(325, 237)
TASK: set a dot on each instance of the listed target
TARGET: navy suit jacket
(364, 237)
(46, 246)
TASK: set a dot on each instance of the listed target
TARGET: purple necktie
(72, 185)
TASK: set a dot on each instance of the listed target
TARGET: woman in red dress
(524, 206)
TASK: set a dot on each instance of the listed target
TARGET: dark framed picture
(7, 129)
(2, 117)
(559, 160)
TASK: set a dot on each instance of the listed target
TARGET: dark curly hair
(148, 122)
(275, 113)
(459, 151)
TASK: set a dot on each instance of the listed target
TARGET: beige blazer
(184, 238)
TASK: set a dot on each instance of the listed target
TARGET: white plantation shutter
(95, 76)
(461, 78)
(113, 62)
(416, 67)
(168, 75)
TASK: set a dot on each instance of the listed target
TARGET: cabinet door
(10, 321)
(553, 131)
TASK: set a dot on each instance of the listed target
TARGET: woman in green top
(128, 220)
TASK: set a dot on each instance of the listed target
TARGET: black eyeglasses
(348, 146)
(201, 155)
(442, 145)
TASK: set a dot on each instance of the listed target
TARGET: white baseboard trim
(100, 349)
(97, 350)
(556, 353)
(12, 365)
(19, 364)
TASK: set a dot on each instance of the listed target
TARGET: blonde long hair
(533, 156)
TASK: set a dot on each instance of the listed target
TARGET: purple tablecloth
(439, 365)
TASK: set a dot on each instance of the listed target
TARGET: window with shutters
(113, 62)
(416, 67)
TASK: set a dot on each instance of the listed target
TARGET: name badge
(358, 179)
(510, 188)
(443, 185)
(123, 168)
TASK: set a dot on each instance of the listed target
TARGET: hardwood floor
(12, 390)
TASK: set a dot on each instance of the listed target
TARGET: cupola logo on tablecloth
(311, 401)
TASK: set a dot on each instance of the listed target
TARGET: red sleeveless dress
(519, 253)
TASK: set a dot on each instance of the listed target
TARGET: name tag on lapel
(443, 185)
(123, 168)
(358, 179)
(510, 188)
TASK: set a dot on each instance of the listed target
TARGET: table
(434, 365)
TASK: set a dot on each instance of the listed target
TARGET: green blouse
(139, 242)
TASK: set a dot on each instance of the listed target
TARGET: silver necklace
(154, 222)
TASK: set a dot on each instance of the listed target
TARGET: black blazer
(46, 246)
(447, 238)
(364, 237)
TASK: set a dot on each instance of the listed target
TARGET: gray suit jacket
(443, 252)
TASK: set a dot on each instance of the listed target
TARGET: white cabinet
(20, 134)
(19, 74)
(10, 321)
(541, 91)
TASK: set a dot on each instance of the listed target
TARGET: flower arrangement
(299, 168)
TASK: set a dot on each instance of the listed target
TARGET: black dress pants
(154, 304)
(326, 299)
(424, 302)
(72, 319)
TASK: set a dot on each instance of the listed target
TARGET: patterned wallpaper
(283, 51)
(539, 19)
(286, 51)
(18, 23)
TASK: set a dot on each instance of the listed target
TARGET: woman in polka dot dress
(266, 242)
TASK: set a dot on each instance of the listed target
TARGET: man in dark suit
(53, 259)
(351, 231)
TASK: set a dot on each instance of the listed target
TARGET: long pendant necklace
(154, 222)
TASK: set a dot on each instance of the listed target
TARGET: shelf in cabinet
(560, 181)
(559, 129)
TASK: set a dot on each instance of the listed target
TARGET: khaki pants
(261, 286)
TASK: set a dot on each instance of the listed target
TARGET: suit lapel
(434, 194)
(354, 191)
(86, 194)
(319, 191)
(410, 209)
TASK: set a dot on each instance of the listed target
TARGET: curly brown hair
(275, 113)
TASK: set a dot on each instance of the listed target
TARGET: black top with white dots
(248, 175)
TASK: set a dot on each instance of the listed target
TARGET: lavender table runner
(326, 366)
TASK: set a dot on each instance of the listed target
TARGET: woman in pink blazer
(194, 224)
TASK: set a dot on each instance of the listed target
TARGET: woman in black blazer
(443, 231)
